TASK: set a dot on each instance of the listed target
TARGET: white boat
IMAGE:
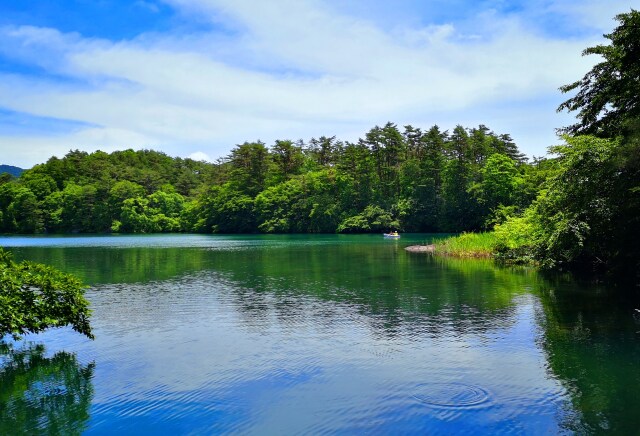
(392, 235)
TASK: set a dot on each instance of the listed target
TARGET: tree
(585, 217)
(80, 207)
(323, 150)
(357, 166)
(249, 163)
(388, 150)
(422, 179)
(580, 216)
(226, 210)
(19, 210)
(608, 105)
(458, 212)
(499, 181)
(608, 95)
(287, 158)
(136, 217)
(373, 219)
(34, 297)
(40, 184)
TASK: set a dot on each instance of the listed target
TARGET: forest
(409, 179)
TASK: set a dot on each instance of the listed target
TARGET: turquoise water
(322, 334)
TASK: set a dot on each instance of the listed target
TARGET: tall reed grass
(468, 245)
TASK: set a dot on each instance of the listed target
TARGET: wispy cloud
(287, 69)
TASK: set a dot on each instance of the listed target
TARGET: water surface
(323, 334)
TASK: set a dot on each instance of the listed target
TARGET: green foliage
(372, 219)
(41, 394)
(421, 181)
(135, 216)
(499, 181)
(575, 214)
(40, 184)
(249, 166)
(34, 297)
(287, 158)
(323, 151)
(225, 210)
(587, 213)
(304, 204)
(468, 245)
(585, 217)
(21, 211)
(608, 99)
(123, 190)
(87, 193)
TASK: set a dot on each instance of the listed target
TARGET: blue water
(323, 334)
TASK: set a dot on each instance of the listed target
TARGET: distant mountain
(14, 171)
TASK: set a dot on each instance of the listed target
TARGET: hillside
(14, 171)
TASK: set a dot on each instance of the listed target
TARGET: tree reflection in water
(593, 349)
(40, 394)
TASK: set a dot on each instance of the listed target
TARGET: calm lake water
(327, 334)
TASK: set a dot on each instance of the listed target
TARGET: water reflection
(339, 335)
(41, 394)
(392, 287)
(593, 347)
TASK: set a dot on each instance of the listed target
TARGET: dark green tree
(459, 210)
(580, 218)
(287, 158)
(356, 164)
(249, 167)
(608, 96)
(324, 150)
(227, 210)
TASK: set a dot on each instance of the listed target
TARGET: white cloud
(198, 155)
(296, 70)
(593, 14)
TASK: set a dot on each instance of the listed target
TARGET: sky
(194, 78)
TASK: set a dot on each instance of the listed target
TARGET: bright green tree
(499, 181)
(34, 297)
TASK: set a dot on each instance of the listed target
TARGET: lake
(320, 334)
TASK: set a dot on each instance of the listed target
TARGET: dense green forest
(587, 213)
(408, 179)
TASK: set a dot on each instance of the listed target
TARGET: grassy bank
(468, 245)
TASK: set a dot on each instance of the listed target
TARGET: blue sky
(195, 77)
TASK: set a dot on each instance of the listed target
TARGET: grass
(468, 245)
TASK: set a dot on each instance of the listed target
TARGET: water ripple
(452, 395)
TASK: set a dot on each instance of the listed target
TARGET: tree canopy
(608, 96)
(587, 213)
(34, 297)
(404, 178)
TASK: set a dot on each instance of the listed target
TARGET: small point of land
(431, 248)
